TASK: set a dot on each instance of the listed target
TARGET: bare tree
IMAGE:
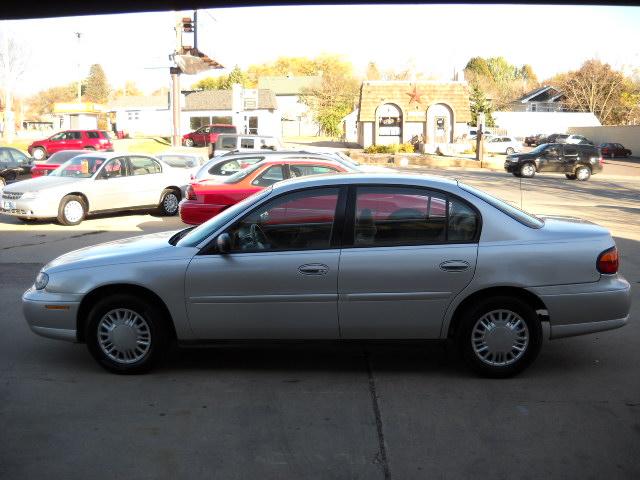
(12, 66)
(596, 88)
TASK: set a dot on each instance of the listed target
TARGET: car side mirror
(224, 243)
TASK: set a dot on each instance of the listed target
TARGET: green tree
(98, 89)
(223, 82)
(479, 103)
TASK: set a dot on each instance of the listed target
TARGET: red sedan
(206, 198)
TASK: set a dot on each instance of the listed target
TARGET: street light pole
(78, 35)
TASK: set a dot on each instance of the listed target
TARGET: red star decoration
(415, 95)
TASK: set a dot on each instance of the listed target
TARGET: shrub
(396, 148)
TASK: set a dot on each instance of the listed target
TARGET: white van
(228, 142)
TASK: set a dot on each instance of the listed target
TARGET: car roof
(429, 181)
(319, 161)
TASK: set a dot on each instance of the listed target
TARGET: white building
(250, 110)
(297, 119)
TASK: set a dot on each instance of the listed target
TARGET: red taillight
(191, 193)
(608, 261)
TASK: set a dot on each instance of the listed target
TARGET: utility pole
(78, 35)
(479, 138)
(8, 130)
(175, 86)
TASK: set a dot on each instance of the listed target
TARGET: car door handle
(454, 266)
(313, 269)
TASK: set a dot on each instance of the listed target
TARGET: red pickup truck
(71, 140)
(207, 135)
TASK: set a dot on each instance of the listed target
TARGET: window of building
(133, 115)
(295, 221)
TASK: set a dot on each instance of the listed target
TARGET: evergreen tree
(98, 89)
(479, 103)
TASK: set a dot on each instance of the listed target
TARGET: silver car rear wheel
(500, 337)
(124, 336)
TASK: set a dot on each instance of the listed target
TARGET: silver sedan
(96, 182)
(354, 256)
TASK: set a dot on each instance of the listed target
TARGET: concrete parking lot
(323, 411)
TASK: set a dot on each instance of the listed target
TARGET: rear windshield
(236, 177)
(180, 161)
(521, 216)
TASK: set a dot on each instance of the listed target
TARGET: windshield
(520, 215)
(179, 161)
(200, 233)
(236, 177)
(82, 166)
(539, 149)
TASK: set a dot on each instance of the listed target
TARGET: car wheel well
(517, 292)
(102, 292)
(175, 189)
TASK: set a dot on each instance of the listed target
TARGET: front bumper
(583, 308)
(51, 315)
(31, 208)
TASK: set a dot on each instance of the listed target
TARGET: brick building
(396, 111)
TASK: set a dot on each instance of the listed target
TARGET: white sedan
(505, 145)
(96, 182)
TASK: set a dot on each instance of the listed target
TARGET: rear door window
(144, 166)
(93, 135)
(247, 143)
(228, 143)
(270, 176)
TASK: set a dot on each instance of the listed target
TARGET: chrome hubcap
(527, 170)
(73, 211)
(170, 203)
(500, 337)
(38, 154)
(582, 173)
(124, 336)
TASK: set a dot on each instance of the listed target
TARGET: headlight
(29, 195)
(41, 281)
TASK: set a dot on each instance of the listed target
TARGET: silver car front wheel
(127, 333)
(169, 202)
(124, 335)
(72, 210)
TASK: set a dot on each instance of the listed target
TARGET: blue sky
(435, 39)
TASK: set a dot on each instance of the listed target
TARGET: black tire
(499, 305)
(65, 211)
(39, 153)
(583, 173)
(516, 174)
(151, 328)
(527, 170)
(570, 176)
(169, 202)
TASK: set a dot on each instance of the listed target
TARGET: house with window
(253, 111)
(141, 115)
(544, 99)
(297, 119)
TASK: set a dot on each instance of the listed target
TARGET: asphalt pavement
(323, 411)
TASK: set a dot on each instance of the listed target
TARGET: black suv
(575, 161)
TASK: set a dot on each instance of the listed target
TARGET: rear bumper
(195, 213)
(579, 309)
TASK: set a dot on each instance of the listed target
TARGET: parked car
(71, 140)
(207, 198)
(192, 162)
(54, 161)
(534, 140)
(95, 182)
(341, 257)
(506, 145)
(227, 143)
(219, 168)
(554, 138)
(613, 150)
(575, 161)
(576, 140)
(207, 135)
(14, 165)
(348, 161)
